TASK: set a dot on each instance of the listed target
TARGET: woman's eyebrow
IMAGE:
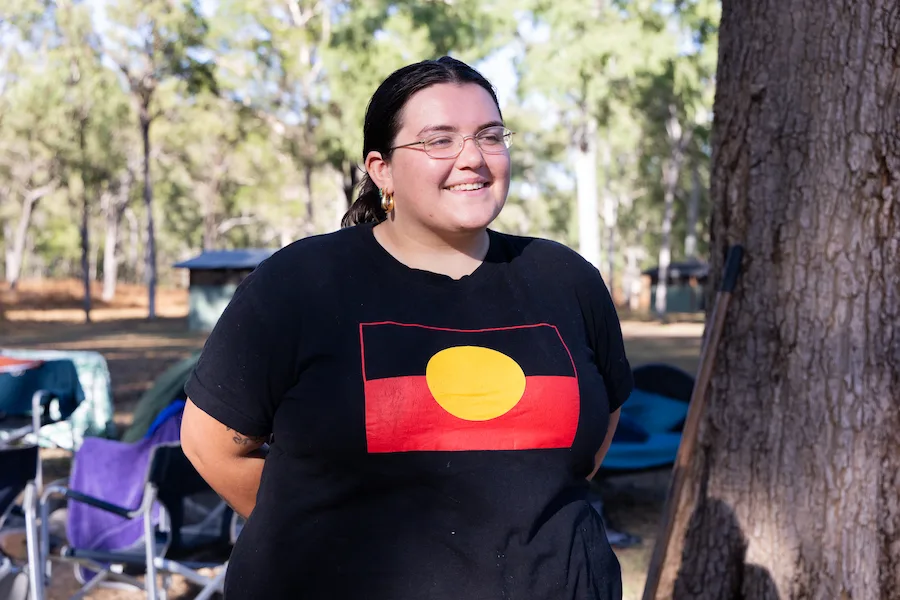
(434, 128)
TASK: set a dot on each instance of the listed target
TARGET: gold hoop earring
(387, 201)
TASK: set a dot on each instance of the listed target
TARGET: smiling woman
(434, 393)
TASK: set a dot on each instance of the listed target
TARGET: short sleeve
(249, 360)
(604, 334)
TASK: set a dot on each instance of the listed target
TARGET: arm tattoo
(243, 440)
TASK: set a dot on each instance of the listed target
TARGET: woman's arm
(230, 462)
(610, 432)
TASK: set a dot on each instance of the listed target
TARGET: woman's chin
(472, 218)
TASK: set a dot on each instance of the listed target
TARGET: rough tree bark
(795, 489)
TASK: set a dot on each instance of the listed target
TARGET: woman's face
(427, 190)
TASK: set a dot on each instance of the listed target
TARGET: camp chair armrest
(57, 483)
(70, 494)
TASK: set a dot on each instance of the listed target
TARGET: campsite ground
(48, 316)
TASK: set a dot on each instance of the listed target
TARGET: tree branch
(229, 224)
(38, 193)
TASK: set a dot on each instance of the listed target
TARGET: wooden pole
(692, 423)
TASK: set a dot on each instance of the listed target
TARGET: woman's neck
(453, 255)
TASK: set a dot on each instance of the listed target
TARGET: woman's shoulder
(317, 248)
(540, 253)
(313, 255)
(307, 264)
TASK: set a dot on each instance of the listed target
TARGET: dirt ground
(48, 315)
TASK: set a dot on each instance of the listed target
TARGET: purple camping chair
(140, 508)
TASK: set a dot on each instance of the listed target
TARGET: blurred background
(136, 135)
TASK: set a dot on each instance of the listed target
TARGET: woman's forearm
(607, 441)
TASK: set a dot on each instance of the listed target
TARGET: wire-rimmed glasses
(449, 144)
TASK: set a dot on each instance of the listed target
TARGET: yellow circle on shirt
(475, 383)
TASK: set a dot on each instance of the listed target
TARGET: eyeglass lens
(493, 140)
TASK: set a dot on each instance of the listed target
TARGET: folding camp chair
(19, 472)
(27, 410)
(170, 545)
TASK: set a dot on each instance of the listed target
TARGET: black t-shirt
(430, 436)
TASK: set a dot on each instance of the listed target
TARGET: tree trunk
(795, 488)
(671, 174)
(610, 214)
(85, 251)
(85, 228)
(134, 245)
(14, 259)
(7, 246)
(94, 258)
(586, 189)
(112, 218)
(148, 204)
(310, 206)
(693, 211)
(210, 226)
(351, 180)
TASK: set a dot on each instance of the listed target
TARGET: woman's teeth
(466, 187)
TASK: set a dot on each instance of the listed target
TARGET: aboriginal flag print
(433, 389)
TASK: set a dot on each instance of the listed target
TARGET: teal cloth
(94, 415)
(58, 377)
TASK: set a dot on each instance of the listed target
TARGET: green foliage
(258, 109)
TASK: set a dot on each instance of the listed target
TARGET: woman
(435, 395)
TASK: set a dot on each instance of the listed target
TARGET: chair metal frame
(155, 562)
(29, 502)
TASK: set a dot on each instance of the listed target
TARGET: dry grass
(48, 315)
(62, 301)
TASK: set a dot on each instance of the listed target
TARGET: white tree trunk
(8, 253)
(693, 211)
(671, 173)
(310, 200)
(610, 214)
(113, 208)
(135, 264)
(210, 215)
(586, 187)
(15, 258)
(110, 259)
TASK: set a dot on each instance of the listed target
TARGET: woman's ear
(379, 171)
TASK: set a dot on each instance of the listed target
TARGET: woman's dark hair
(383, 121)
